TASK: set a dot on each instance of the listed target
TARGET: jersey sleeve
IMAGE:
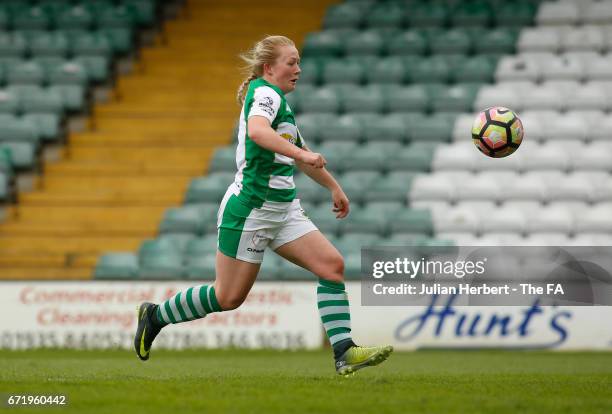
(266, 102)
(300, 141)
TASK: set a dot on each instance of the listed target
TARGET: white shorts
(244, 232)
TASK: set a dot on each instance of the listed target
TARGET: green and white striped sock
(333, 305)
(190, 304)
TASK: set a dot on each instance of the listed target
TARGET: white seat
(589, 97)
(537, 124)
(503, 220)
(544, 239)
(460, 238)
(550, 219)
(573, 206)
(524, 187)
(597, 156)
(482, 206)
(570, 187)
(603, 191)
(592, 239)
(599, 68)
(599, 12)
(557, 13)
(543, 98)
(594, 220)
(480, 187)
(602, 130)
(456, 156)
(546, 157)
(604, 85)
(564, 127)
(463, 127)
(506, 238)
(568, 145)
(489, 96)
(433, 205)
(537, 39)
(563, 67)
(432, 187)
(527, 207)
(517, 68)
(510, 163)
(583, 38)
(456, 220)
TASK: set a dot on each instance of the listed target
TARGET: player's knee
(334, 269)
(229, 301)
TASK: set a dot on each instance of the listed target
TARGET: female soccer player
(260, 210)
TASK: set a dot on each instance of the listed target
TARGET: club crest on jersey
(289, 137)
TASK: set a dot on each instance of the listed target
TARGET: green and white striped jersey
(265, 178)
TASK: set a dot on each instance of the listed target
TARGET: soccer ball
(497, 132)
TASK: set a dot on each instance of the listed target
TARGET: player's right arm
(261, 132)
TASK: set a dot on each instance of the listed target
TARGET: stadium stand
(388, 93)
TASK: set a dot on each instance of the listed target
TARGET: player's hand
(313, 158)
(341, 203)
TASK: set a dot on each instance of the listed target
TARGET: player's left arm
(324, 178)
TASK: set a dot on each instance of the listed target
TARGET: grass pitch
(241, 381)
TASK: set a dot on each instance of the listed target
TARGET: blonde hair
(264, 51)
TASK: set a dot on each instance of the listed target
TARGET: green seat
(143, 11)
(364, 220)
(436, 128)
(25, 73)
(290, 271)
(13, 129)
(121, 39)
(22, 154)
(515, 14)
(342, 71)
(368, 99)
(117, 266)
(409, 42)
(97, 67)
(35, 99)
(428, 14)
(499, 40)
(435, 69)
(367, 42)
(343, 15)
(75, 17)
(13, 44)
(354, 182)
(309, 190)
(405, 239)
(91, 44)
(121, 16)
(385, 15)
(475, 69)
(270, 267)
(456, 98)
(390, 187)
(322, 44)
(320, 100)
(68, 73)
(346, 128)
(167, 244)
(451, 41)
(73, 96)
(201, 267)
(48, 125)
(224, 159)
(189, 219)
(386, 207)
(5, 19)
(389, 70)
(472, 14)
(6, 163)
(412, 98)
(411, 221)
(9, 102)
(311, 72)
(411, 158)
(352, 266)
(208, 189)
(351, 244)
(371, 157)
(337, 153)
(162, 266)
(201, 246)
(31, 18)
(388, 128)
(310, 125)
(49, 44)
(325, 219)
